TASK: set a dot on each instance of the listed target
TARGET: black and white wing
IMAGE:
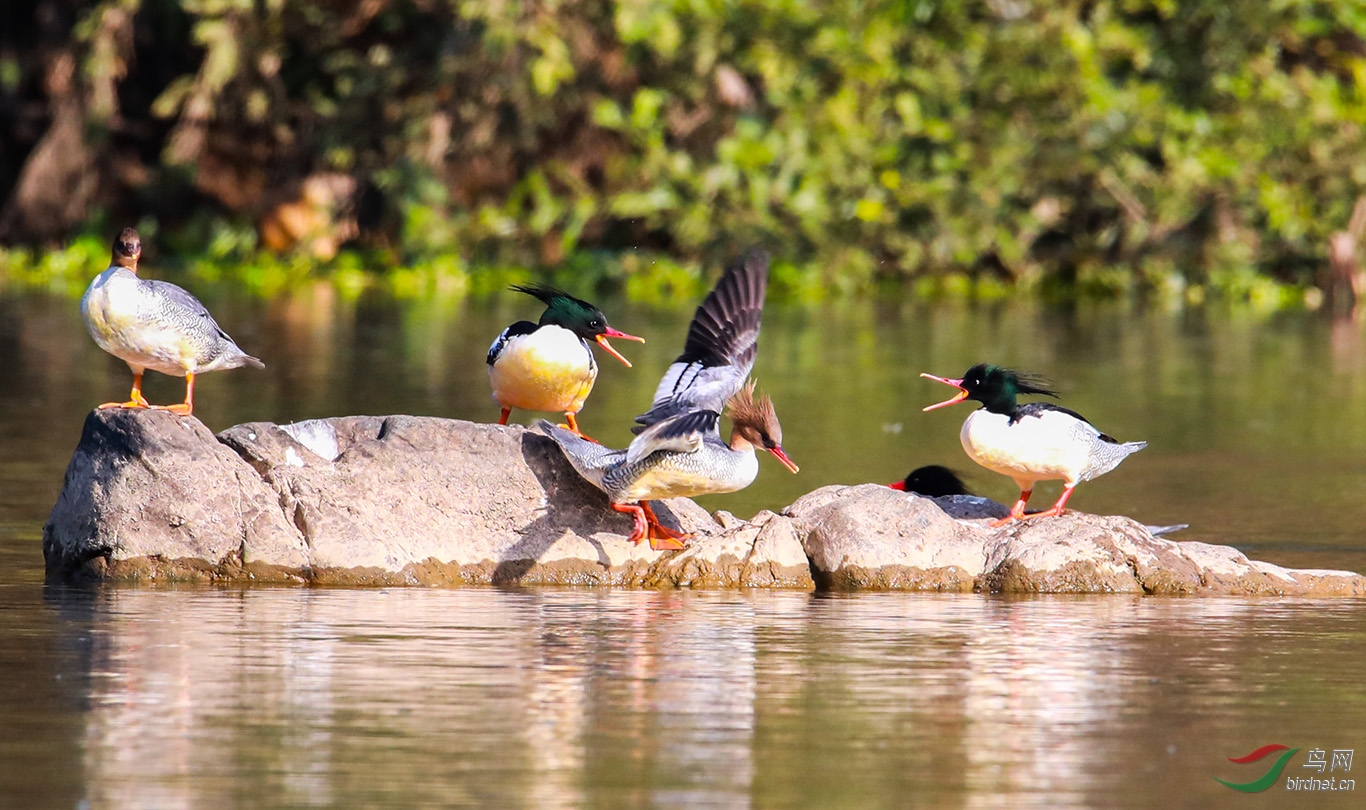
(723, 341)
(501, 342)
(683, 433)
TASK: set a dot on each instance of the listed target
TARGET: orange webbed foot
(132, 403)
(639, 528)
(662, 538)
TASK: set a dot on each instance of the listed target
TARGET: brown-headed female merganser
(678, 450)
(548, 366)
(156, 325)
(1038, 441)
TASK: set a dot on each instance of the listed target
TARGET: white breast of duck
(664, 474)
(549, 369)
(129, 318)
(1041, 442)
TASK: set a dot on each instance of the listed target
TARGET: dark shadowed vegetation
(1109, 146)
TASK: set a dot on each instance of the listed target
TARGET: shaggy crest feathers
(549, 295)
(755, 415)
(1025, 382)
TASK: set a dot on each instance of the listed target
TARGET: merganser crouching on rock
(932, 481)
(1034, 442)
(549, 366)
(678, 450)
(156, 325)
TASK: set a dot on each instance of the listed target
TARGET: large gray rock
(873, 537)
(152, 496)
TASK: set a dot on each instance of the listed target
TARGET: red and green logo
(1267, 779)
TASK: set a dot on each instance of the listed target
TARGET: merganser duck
(932, 481)
(1038, 441)
(156, 325)
(678, 450)
(548, 366)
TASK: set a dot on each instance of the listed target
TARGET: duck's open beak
(607, 347)
(958, 397)
(778, 453)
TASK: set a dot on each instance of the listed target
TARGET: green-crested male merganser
(1038, 441)
(548, 366)
(156, 325)
(678, 450)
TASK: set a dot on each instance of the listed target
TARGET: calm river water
(225, 698)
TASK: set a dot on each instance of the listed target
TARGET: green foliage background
(1110, 144)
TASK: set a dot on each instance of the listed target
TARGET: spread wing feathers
(500, 342)
(722, 343)
(683, 433)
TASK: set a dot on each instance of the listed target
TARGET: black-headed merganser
(932, 481)
(935, 481)
(156, 325)
(1038, 441)
(548, 366)
(678, 450)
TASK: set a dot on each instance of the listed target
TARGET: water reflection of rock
(572, 698)
(212, 699)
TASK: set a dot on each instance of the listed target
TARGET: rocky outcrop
(874, 537)
(152, 496)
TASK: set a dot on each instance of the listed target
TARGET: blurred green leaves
(1109, 143)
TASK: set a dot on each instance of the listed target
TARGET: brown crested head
(127, 249)
(755, 422)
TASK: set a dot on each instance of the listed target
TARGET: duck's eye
(596, 323)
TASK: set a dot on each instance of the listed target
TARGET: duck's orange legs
(183, 408)
(503, 420)
(661, 536)
(647, 525)
(640, 528)
(1057, 508)
(573, 427)
(135, 399)
(1016, 511)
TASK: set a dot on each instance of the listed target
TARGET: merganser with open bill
(548, 366)
(1038, 441)
(678, 450)
(154, 324)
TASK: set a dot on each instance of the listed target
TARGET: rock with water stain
(153, 496)
(874, 537)
(150, 495)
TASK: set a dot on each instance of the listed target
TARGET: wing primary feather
(722, 344)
